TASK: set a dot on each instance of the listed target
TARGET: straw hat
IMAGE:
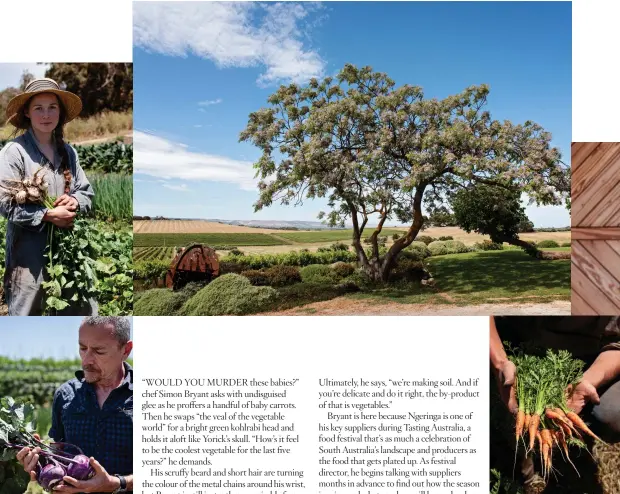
(71, 102)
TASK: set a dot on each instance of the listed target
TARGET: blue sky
(201, 68)
(39, 337)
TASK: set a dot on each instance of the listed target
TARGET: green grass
(331, 235)
(477, 277)
(113, 195)
(210, 239)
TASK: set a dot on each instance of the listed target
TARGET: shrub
(395, 236)
(306, 293)
(257, 277)
(229, 294)
(283, 275)
(566, 244)
(235, 252)
(409, 270)
(438, 248)
(292, 258)
(488, 245)
(417, 251)
(318, 273)
(159, 302)
(231, 267)
(547, 244)
(456, 247)
(342, 269)
(360, 279)
(338, 246)
(449, 237)
(150, 270)
(426, 239)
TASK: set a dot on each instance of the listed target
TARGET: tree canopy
(377, 150)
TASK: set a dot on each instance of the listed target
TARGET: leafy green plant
(426, 239)
(230, 294)
(113, 199)
(488, 245)
(318, 273)
(547, 244)
(109, 157)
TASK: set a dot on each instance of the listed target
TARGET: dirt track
(346, 307)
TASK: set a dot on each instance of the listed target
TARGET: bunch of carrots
(542, 388)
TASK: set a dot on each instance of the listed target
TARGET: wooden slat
(580, 307)
(595, 233)
(595, 276)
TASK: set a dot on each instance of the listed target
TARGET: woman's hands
(67, 201)
(61, 216)
(584, 393)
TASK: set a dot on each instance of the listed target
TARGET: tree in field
(441, 216)
(492, 211)
(378, 151)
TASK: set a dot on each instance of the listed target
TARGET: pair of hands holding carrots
(585, 392)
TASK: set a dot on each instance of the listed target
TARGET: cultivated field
(194, 226)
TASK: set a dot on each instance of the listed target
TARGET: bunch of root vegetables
(544, 421)
(56, 460)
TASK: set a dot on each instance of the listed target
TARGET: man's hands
(505, 376)
(60, 216)
(28, 458)
(583, 393)
(102, 481)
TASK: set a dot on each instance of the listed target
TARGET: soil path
(346, 307)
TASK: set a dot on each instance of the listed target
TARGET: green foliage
(113, 199)
(292, 258)
(549, 230)
(547, 244)
(330, 235)
(306, 293)
(100, 86)
(213, 240)
(343, 269)
(274, 276)
(34, 380)
(438, 248)
(230, 294)
(338, 246)
(488, 245)
(408, 269)
(444, 238)
(79, 260)
(493, 211)
(318, 273)
(426, 239)
(108, 157)
(417, 251)
(151, 270)
(154, 253)
(566, 244)
(395, 236)
(456, 247)
(525, 225)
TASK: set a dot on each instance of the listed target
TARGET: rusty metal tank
(194, 263)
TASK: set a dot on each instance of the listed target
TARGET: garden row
(149, 268)
(34, 380)
(113, 266)
(108, 157)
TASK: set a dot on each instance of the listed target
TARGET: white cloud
(180, 187)
(165, 159)
(10, 73)
(245, 34)
(210, 102)
(197, 126)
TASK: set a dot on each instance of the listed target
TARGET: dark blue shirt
(105, 433)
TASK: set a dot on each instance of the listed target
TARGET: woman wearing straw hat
(40, 111)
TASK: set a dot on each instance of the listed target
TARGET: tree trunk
(527, 247)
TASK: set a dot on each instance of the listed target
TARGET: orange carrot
(533, 429)
(579, 423)
(526, 424)
(562, 440)
(520, 423)
(553, 415)
(547, 445)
